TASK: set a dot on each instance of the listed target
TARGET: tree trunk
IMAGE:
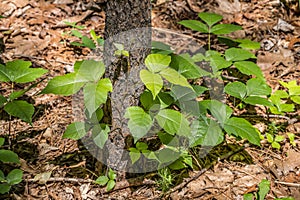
(128, 22)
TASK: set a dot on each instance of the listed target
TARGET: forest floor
(34, 30)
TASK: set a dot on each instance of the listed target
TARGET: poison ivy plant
(85, 41)
(13, 177)
(19, 71)
(109, 180)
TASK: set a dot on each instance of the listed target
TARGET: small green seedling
(13, 177)
(275, 141)
(291, 137)
(263, 190)
(109, 180)
(85, 41)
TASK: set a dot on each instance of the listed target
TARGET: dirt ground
(34, 30)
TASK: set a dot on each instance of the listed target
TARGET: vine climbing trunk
(128, 22)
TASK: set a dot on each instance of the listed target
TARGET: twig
(187, 181)
(288, 184)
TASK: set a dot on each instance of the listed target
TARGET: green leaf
(102, 180)
(241, 127)
(111, 174)
(14, 177)
(279, 138)
(90, 70)
(221, 29)
(134, 155)
(236, 89)
(258, 87)
(100, 134)
(218, 62)
(210, 18)
(195, 25)
(206, 133)
(2, 176)
(2, 140)
(87, 42)
(8, 156)
(75, 131)
(295, 99)
(160, 48)
(263, 189)
(139, 122)
(248, 44)
(174, 77)
(254, 100)
(236, 54)
(220, 111)
(172, 122)
(95, 94)
(64, 85)
(141, 146)
(153, 82)
(270, 137)
(167, 155)
(276, 145)
(110, 185)
(249, 68)
(248, 196)
(18, 71)
(157, 62)
(3, 100)
(76, 33)
(20, 109)
(4, 188)
(186, 66)
(177, 165)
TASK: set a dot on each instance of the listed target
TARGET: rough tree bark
(128, 22)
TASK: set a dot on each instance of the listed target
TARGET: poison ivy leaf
(110, 185)
(76, 33)
(174, 77)
(64, 85)
(18, 71)
(100, 134)
(258, 87)
(2, 176)
(167, 155)
(14, 176)
(153, 82)
(111, 174)
(220, 111)
(177, 165)
(236, 89)
(75, 131)
(20, 109)
(90, 70)
(210, 18)
(95, 94)
(195, 25)
(173, 122)
(206, 133)
(160, 48)
(199, 89)
(141, 146)
(236, 54)
(4, 188)
(134, 154)
(164, 99)
(2, 100)
(248, 196)
(2, 140)
(186, 66)
(8, 156)
(198, 57)
(249, 68)
(102, 180)
(295, 99)
(87, 42)
(248, 44)
(264, 188)
(241, 127)
(221, 29)
(157, 62)
(139, 122)
(254, 100)
(218, 62)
